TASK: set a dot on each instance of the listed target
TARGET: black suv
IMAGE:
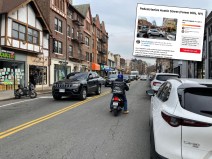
(77, 84)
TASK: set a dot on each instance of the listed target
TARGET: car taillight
(176, 121)
(156, 83)
(116, 99)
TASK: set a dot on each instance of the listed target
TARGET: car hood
(67, 81)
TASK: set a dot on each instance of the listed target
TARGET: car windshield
(113, 76)
(165, 77)
(79, 76)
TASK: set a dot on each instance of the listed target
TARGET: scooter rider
(123, 95)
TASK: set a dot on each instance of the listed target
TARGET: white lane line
(46, 97)
(18, 102)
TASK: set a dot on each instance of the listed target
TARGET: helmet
(120, 76)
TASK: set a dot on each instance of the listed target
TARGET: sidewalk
(6, 95)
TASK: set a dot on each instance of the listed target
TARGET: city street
(72, 129)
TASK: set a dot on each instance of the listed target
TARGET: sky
(120, 20)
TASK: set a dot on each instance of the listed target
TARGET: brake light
(116, 99)
(156, 83)
(176, 121)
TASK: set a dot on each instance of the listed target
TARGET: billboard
(169, 32)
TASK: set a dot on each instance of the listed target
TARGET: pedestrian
(32, 79)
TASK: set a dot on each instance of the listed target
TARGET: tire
(83, 94)
(32, 94)
(115, 112)
(98, 91)
(57, 97)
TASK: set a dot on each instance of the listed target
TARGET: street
(72, 129)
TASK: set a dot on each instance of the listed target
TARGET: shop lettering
(7, 55)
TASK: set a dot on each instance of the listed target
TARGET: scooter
(25, 91)
(117, 105)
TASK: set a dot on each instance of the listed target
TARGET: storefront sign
(7, 54)
(102, 67)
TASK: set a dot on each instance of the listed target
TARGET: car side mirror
(150, 92)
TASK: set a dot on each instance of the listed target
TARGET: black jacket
(126, 87)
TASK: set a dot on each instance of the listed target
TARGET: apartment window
(68, 31)
(91, 57)
(98, 33)
(58, 25)
(58, 47)
(87, 26)
(72, 32)
(70, 14)
(77, 34)
(86, 41)
(70, 51)
(79, 51)
(93, 43)
(87, 56)
(33, 36)
(18, 31)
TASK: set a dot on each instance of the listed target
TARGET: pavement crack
(112, 130)
(94, 152)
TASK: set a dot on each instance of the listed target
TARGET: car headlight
(75, 84)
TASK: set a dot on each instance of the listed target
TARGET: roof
(82, 8)
(167, 74)
(7, 6)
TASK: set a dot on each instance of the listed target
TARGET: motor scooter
(117, 105)
(25, 91)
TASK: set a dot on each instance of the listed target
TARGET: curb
(39, 93)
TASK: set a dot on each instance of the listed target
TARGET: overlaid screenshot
(91, 79)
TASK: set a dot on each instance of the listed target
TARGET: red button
(196, 51)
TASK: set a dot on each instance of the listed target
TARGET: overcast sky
(120, 16)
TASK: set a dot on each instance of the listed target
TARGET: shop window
(11, 73)
(18, 31)
(39, 73)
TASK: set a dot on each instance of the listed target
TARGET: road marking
(18, 102)
(46, 117)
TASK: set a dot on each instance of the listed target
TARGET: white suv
(181, 120)
(160, 78)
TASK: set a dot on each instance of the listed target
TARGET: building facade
(24, 45)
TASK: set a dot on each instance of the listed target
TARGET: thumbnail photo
(157, 28)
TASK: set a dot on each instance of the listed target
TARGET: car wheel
(57, 97)
(83, 94)
(98, 91)
(160, 35)
(149, 35)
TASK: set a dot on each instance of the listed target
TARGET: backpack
(118, 87)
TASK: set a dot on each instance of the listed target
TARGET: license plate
(115, 103)
(62, 90)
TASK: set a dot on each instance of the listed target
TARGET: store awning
(95, 67)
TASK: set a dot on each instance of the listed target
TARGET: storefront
(96, 67)
(12, 70)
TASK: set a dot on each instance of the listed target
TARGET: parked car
(110, 79)
(126, 78)
(181, 119)
(102, 80)
(171, 36)
(143, 77)
(77, 84)
(155, 32)
(160, 78)
(132, 77)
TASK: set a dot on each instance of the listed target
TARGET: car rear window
(198, 100)
(165, 77)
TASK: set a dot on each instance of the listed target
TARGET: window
(86, 41)
(70, 14)
(58, 25)
(165, 92)
(58, 47)
(87, 56)
(70, 51)
(72, 32)
(93, 43)
(68, 31)
(18, 31)
(33, 36)
(87, 26)
(91, 57)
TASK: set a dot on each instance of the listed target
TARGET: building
(127, 66)
(111, 61)
(24, 44)
(100, 44)
(117, 62)
(164, 65)
(87, 54)
(169, 24)
(122, 64)
(142, 22)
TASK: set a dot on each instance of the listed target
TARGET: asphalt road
(71, 129)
